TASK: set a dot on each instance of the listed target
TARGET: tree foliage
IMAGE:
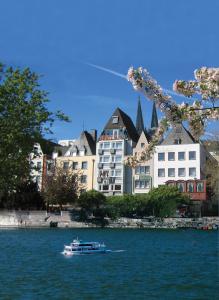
(61, 187)
(26, 196)
(24, 118)
(164, 200)
(92, 202)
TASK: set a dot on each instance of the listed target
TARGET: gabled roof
(181, 133)
(47, 146)
(124, 122)
(142, 139)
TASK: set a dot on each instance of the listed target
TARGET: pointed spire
(154, 119)
(139, 119)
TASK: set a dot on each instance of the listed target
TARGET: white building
(117, 140)
(178, 157)
(143, 173)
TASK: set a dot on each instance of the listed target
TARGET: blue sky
(53, 37)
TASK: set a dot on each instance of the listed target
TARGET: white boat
(78, 247)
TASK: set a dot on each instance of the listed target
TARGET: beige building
(79, 156)
(142, 173)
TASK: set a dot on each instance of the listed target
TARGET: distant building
(79, 155)
(41, 161)
(180, 160)
(143, 173)
(116, 141)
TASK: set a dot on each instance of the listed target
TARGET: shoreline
(42, 219)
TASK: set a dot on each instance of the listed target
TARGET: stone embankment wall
(31, 219)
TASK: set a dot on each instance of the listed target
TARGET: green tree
(26, 196)
(92, 202)
(127, 206)
(24, 118)
(164, 200)
(61, 187)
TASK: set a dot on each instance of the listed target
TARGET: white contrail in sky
(125, 77)
(107, 70)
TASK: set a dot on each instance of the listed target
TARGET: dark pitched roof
(181, 133)
(47, 146)
(124, 122)
(139, 119)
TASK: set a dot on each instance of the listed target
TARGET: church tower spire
(154, 119)
(139, 119)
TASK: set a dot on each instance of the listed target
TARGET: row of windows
(181, 172)
(142, 184)
(111, 145)
(106, 159)
(190, 187)
(142, 170)
(181, 156)
(75, 165)
(112, 173)
(107, 187)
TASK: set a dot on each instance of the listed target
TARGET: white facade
(143, 173)
(178, 162)
(111, 171)
(36, 160)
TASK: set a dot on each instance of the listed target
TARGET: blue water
(161, 264)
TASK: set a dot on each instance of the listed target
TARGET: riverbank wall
(42, 219)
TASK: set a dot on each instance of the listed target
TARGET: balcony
(112, 180)
(99, 179)
(112, 151)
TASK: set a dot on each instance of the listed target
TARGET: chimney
(93, 133)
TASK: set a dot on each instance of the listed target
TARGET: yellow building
(79, 156)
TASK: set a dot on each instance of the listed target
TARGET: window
(147, 170)
(84, 165)
(118, 172)
(142, 145)
(106, 145)
(192, 155)
(39, 165)
(115, 133)
(190, 187)
(75, 165)
(37, 179)
(119, 145)
(181, 155)
(181, 187)
(142, 170)
(117, 187)
(105, 187)
(192, 172)
(115, 120)
(83, 178)
(49, 166)
(181, 172)
(171, 172)
(200, 187)
(177, 141)
(171, 155)
(142, 184)
(65, 165)
(161, 156)
(118, 158)
(105, 159)
(161, 172)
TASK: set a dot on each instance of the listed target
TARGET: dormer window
(115, 120)
(177, 141)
